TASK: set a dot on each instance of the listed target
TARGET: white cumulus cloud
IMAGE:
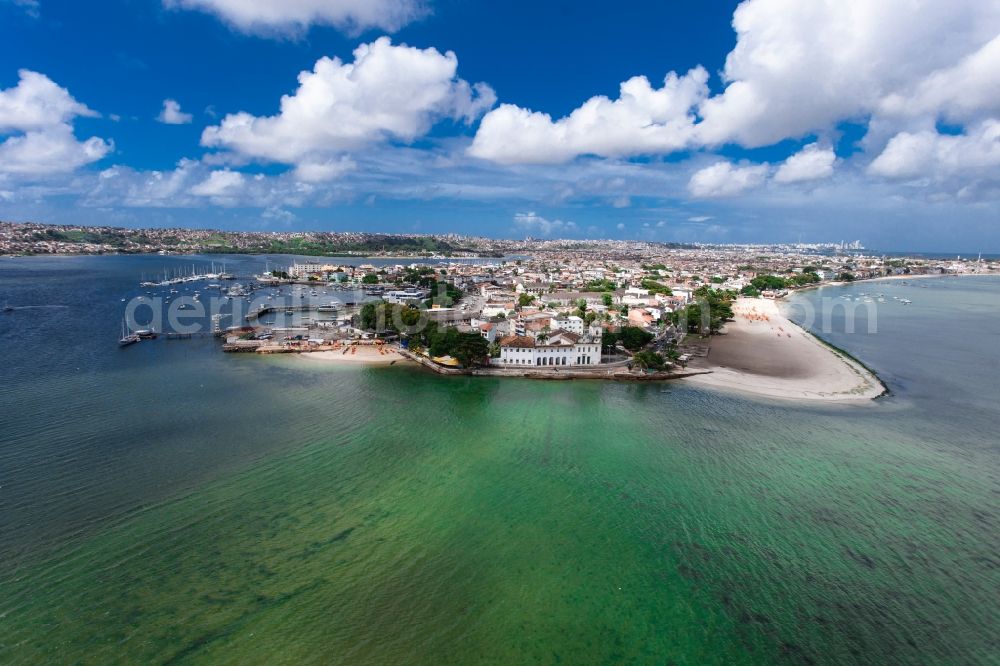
(642, 120)
(810, 163)
(36, 115)
(37, 102)
(294, 16)
(801, 67)
(929, 153)
(797, 69)
(172, 114)
(49, 151)
(966, 91)
(388, 93)
(222, 183)
(723, 179)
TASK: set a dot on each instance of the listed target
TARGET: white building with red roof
(559, 349)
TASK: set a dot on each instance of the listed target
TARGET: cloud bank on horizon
(849, 107)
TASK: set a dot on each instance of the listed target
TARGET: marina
(257, 305)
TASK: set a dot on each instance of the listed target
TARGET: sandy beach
(359, 355)
(763, 353)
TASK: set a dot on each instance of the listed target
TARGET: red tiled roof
(517, 341)
(569, 335)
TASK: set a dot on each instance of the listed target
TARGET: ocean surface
(166, 502)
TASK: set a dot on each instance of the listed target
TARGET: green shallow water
(523, 522)
(391, 516)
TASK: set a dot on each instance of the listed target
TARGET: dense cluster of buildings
(544, 303)
(551, 307)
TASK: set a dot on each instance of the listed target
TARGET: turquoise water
(166, 502)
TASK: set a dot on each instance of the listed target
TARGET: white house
(494, 309)
(489, 331)
(636, 296)
(573, 324)
(562, 348)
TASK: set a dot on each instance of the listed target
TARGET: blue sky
(770, 120)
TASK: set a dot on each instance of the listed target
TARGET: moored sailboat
(128, 337)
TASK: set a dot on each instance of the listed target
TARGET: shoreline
(762, 353)
(357, 355)
(888, 278)
(370, 355)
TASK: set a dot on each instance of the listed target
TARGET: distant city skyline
(768, 121)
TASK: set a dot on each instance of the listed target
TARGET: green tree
(470, 349)
(608, 341)
(769, 282)
(369, 316)
(805, 278)
(655, 287)
(706, 316)
(648, 360)
(601, 285)
(634, 338)
(370, 278)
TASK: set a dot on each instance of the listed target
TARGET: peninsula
(538, 308)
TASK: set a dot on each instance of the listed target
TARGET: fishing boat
(7, 307)
(128, 337)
